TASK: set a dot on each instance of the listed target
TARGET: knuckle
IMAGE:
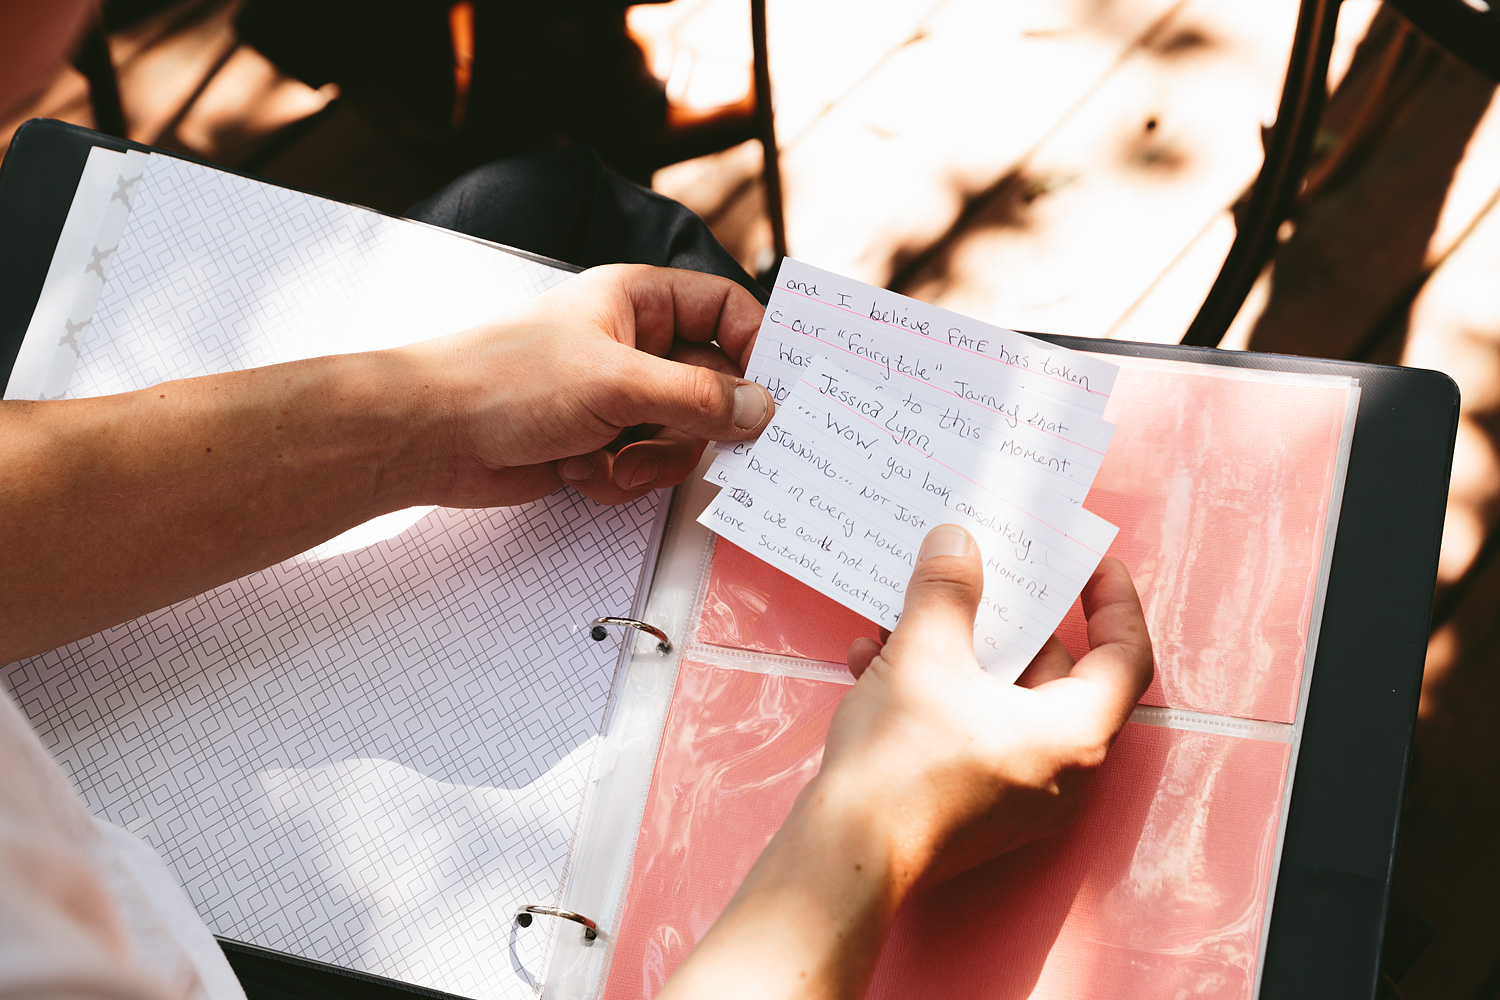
(952, 584)
(950, 572)
(1089, 755)
(1086, 750)
(704, 389)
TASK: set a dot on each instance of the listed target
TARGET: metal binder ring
(663, 645)
(523, 918)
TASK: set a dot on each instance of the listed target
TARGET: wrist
(408, 401)
(842, 817)
(887, 821)
(810, 918)
(376, 422)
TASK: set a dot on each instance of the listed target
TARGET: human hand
(962, 765)
(931, 766)
(610, 382)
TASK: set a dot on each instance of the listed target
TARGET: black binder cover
(1332, 896)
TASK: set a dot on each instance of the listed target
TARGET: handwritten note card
(1061, 457)
(847, 479)
(966, 373)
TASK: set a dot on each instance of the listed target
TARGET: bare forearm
(811, 916)
(116, 506)
(113, 507)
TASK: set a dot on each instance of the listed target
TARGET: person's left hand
(612, 382)
(963, 765)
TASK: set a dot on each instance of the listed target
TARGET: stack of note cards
(894, 416)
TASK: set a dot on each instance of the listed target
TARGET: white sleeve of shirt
(87, 910)
(153, 884)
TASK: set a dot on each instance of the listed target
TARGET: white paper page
(40, 364)
(372, 753)
(837, 501)
(344, 279)
(983, 372)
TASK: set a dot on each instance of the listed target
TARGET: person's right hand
(965, 766)
(612, 383)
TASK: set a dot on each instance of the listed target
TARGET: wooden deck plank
(1367, 244)
(1454, 327)
(1127, 182)
(158, 62)
(155, 83)
(1167, 306)
(819, 50)
(64, 97)
(818, 54)
(943, 122)
(247, 102)
(891, 165)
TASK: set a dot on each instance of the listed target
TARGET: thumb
(937, 623)
(707, 404)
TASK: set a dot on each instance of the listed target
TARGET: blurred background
(1079, 167)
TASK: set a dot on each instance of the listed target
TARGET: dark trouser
(563, 204)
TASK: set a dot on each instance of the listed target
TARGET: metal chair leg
(1274, 194)
(93, 61)
(766, 126)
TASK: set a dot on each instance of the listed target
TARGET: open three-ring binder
(507, 752)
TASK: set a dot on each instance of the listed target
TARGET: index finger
(1118, 667)
(672, 305)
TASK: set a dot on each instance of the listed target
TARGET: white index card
(981, 372)
(841, 502)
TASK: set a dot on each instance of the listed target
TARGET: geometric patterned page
(369, 754)
(215, 272)
(1156, 889)
(369, 759)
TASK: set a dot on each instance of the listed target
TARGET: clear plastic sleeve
(1219, 480)
(738, 747)
(749, 604)
(1226, 486)
(1158, 889)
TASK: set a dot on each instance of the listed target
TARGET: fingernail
(750, 405)
(945, 540)
(577, 469)
(648, 472)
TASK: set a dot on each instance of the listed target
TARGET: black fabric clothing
(564, 204)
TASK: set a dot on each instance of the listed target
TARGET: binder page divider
(603, 859)
(40, 365)
(600, 867)
(639, 695)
